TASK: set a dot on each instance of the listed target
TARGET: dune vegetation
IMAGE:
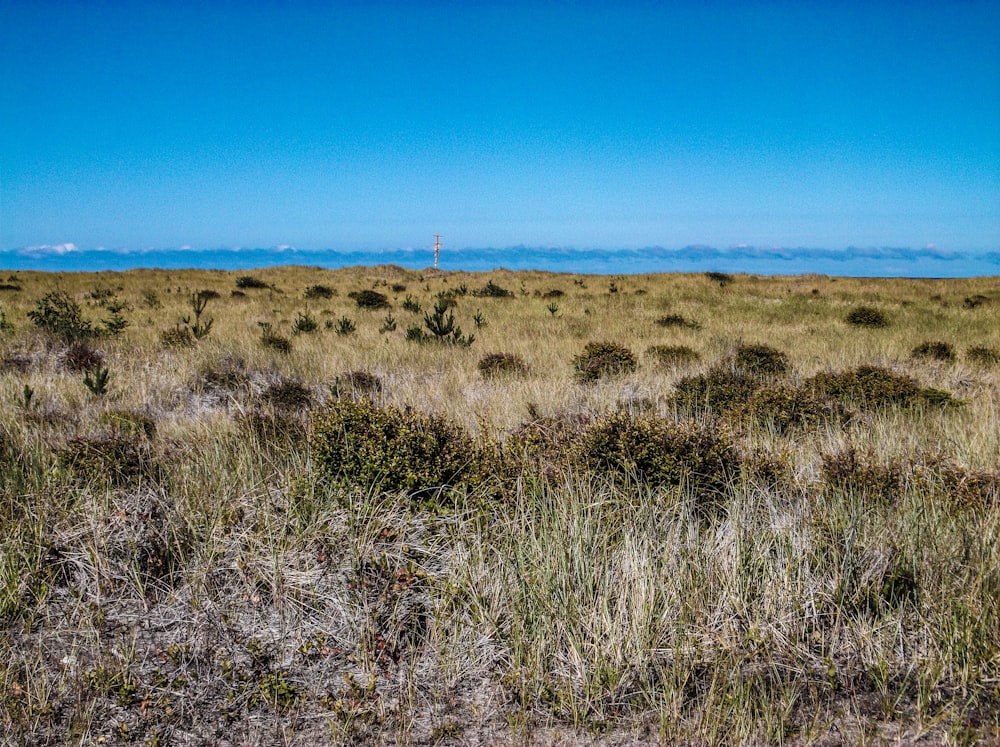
(382, 506)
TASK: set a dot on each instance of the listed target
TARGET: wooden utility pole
(437, 249)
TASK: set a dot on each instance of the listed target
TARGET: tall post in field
(437, 249)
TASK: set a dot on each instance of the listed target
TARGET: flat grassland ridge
(382, 506)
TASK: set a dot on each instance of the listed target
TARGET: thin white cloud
(49, 249)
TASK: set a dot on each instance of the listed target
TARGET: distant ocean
(856, 262)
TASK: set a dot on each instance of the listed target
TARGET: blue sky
(590, 124)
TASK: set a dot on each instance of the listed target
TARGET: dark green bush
(937, 350)
(600, 359)
(866, 316)
(128, 423)
(304, 323)
(784, 407)
(271, 339)
(493, 365)
(973, 302)
(319, 291)
(862, 474)
(114, 458)
(397, 288)
(673, 355)
(983, 356)
(288, 395)
(359, 444)
(661, 453)
(724, 387)
(346, 326)
(492, 290)
(868, 387)
(722, 278)
(370, 299)
(676, 320)
(411, 304)
(357, 383)
(249, 281)
(760, 360)
(61, 316)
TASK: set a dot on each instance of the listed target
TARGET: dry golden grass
(176, 567)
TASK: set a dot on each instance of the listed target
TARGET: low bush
(59, 315)
(356, 383)
(784, 407)
(359, 444)
(493, 365)
(271, 339)
(601, 359)
(723, 388)
(245, 282)
(492, 290)
(676, 320)
(80, 357)
(983, 356)
(370, 299)
(304, 323)
(936, 350)
(974, 302)
(411, 304)
(722, 278)
(673, 355)
(115, 458)
(760, 360)
(128, 423)
(860, 473)
(868, 387)
(662, 453)
(319, 291)
(288, 395)
(866, 316)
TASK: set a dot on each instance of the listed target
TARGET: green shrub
(661, 453)
(676, 320)
(346, 326)
(868, 387)
(357, 443)
(723, 388)
(443, 328)
(61, 316)
(370, 299)
(940, 351)
(722, 278)
(860, 473)
(673, 355)
(304, 323)
(411, 304)
(271, 339)
(245, 282)
(866, 316)
(319, 291)
(288, 395)
(493, 365)
(397, 288)
(128, 423)
(600, 359)
(355, 383)
(492, 290)
(784, 407)
(114, 458)
(983, 356)
(760, 360)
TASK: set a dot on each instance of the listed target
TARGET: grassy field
(301, 506)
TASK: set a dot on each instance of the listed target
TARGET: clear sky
(360, 125)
